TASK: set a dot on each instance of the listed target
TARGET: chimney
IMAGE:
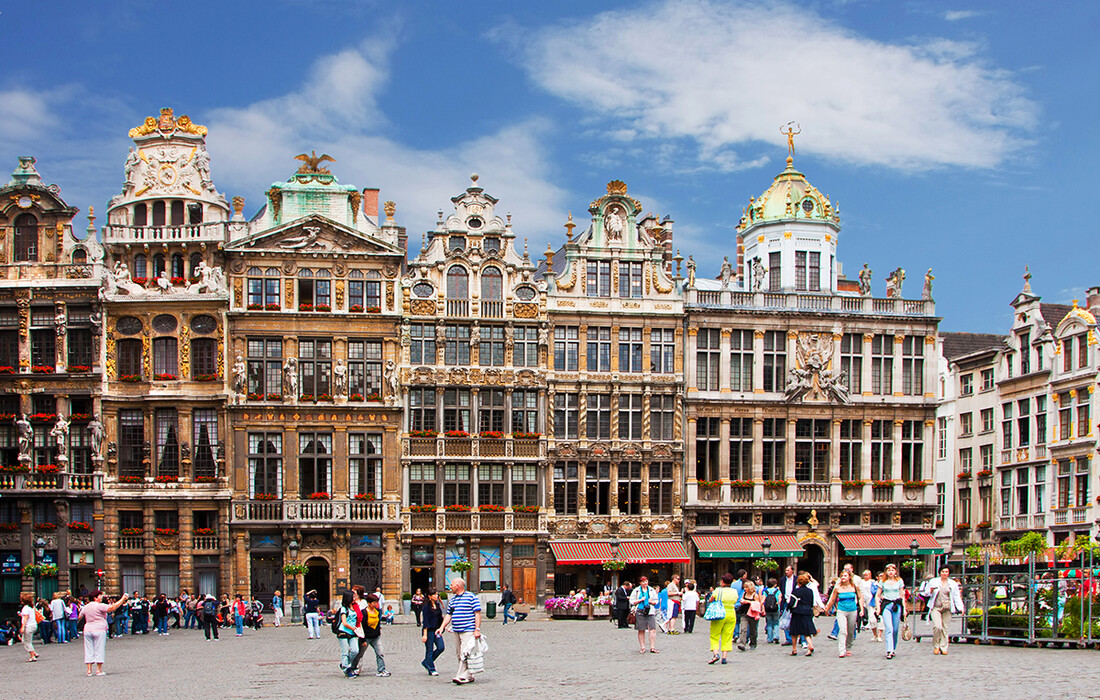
(1092, 298)
(370, 202)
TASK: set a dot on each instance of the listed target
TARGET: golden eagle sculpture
(311, 162)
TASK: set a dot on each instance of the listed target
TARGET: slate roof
(959, 344)
(1053, 313)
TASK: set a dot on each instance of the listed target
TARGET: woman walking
(313, 616)
(749, 610)
(944, 598)
(802, 615)
(417, 604)
(644, 601)
(846, 598)
(28, 624)
(891, 607)
(348, 631)
(277, 607)
(721, 630)
(433, 641)
(95, 630)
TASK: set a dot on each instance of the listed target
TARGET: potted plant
(364, 496)
(490, 508)
(295, 569)
(322, 307)
(962, 526)
(319, 496)
(406, 603)
(355, 397)
(41, 369)
(526, 436)
(45, 527)
(853, 483)
(883, 484)
(14, 468)
(47, 469)
(525, 509)
(167, 479)
(7, 369)
(457, 434)
(915, 484)
(985, 473)
(131, 479)
(78, 368)
(461, 566)
(374, 397)
(984, 525)
(9, 527)
(205, 479)
(264, 497)
(356, 308)
(422, 508)
(767, 564)
(613, 565)
(423, 433)
(166, 377)
(305, 307)
(130, 378)
(80, 525)
(255, 307)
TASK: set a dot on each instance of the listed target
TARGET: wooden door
(523, 584)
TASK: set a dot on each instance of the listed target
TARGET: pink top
(95, 617)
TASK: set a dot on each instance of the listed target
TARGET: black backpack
(771, 602)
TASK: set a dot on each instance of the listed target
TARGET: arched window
(458, 283)
(196, 260)
(158, 213)
(158, 264)
(141, 214)
(141, 266)
(177, 266)
(255, 289)
(492, 284)
(80, 256)
(26, 238)
(177, 213)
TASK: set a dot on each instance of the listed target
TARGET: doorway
(813, 561)
(523, 583)
(316, 579)
(267, 577)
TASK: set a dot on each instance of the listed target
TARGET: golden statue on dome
(790, 130)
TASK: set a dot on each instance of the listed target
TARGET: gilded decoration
(275, 196)
(221, 357)
(389, 296)
(289, 295)
(657, 282)
(311, 163)
(355, 198)
(185, 351)
(168, 124)
(423, 307)
(146, 356)
(568, 286)
(523, 310)
(339, 294)
(238, 293)
(111, 362)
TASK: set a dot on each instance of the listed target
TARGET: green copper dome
(791, 197)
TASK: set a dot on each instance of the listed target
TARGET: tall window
(966, 424)
(9, 337)
(630, 488)
(1023, 422)
(851, 361)
(741, 354)
(1083, 426)
(630, 280)
(811, 450)
(966, 384)
(204, 358)
(966, 459)
(80, 450)
(1065, 415)
(630, 350)
(774, 448)
(740, 449)
(599, 278)
(775, 360)
(851, 450)
(131, 437)
(43, 337)
(365, 367)
(707, 449)
(708, 357)
(1068, 346)
(1025, 353)
(490, 412)
(525, 351)
(165, 363)
(1006, 425)
(255, 286)
(599, 417)
(775, 278)
(422, 344)
(315, 367)
(26, 238)
(985, 452)
(456, 484)
(1006, 493)
(129, 358)
(565, 416)
(491, 352)
(986, 416)
(265, 463)
(599, 349)
(205, 440)
(1039, 489)
(314, 290)
(662, 411)
(265, 368)
(168, 448)
(458, 283)
(355, 291)
(630, 416)
(1082, 350)
(800, 270)
(987, 378)
(422, 408)
(314, 463)
(882, 450)
(372, 294)
(492, 290)
(490, 485)
(525, 411)
(597, 488)
(660, 488)
(456, 410)
(941, 437)
(912, 451)
(141, 266)
(662, 350)
(912, 365)
(565, 348)
(456, 345)
(1082, 485)
(565, 487)
(422, 486)
(80, 336)
(815, 272)
(1040, 420)
(365, 464)
(882, 365)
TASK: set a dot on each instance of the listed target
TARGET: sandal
(654, 651)
(794, 652)
(642, 651)
(810, 652)
(714, 660)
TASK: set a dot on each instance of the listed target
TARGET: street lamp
(40, 554)
(295, 605)
(614, 557)
(766, 547)
(914, 546)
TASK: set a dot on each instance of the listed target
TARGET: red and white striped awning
(588, 552)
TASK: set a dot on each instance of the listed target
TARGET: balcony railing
(825, 302)
(204, 542)
(62, 481)
(1079, 515)
(525, 448)
(882, 494)
(131, 542)
(1061, 516)
(741, 494)
(492, 309)
(812, 493)
(458, 307)
(122, 234)
(468, 447)
(457, 447)
(477, 522)
(309, 511)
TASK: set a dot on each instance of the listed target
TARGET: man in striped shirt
(464, 617)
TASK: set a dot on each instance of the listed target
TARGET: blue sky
(948, 132)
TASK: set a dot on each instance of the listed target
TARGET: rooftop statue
(311, 163)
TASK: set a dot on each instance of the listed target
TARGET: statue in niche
(391, 380)
(616, 222)
(340, 378)
(97, 432)
(25, 433)
(290, 377)
(60, 435)
(240, 375)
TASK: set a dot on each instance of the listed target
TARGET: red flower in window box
(165, 377)
(456, 508)
(80, 417)
(374, 309)
(205, 532)
(853, 483)
(131, 479)
(423, 433)
(985, 473)
(374, 397)
(205, 479)
(526, 436)
(264, 497)
(132, 378)
(205, 377)
(356, 308)
(7, 370)
(177, 280)
(78, 368)
(322, 307)
(252, 396)
(706, 484)
(457, 434)
(915, 484)
(984, 525)
(43, 417)
(7, 417)
(142, 281)
(963, 476)
(422, 508)
(9, 527)
(255, 307)
(355, 397)
(306, 397)
(167, 532)
(776, 483)
(492, 435)
(319, 496)
(45, 527)
(525, 509)
(47, 469)
(491, 508)
(324, 397)
(272, 307)
(167, 479)
(364, 496)
(131, 532)
(80, 525)
(885, 484)
(274, 397)
(41, 369)
(962, 526)
(14, 469)
(305, 307)
(194, 279)
(742, 484)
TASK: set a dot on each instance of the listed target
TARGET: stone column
(290, 463)
(723, 448)
(506, 562)
(148, 519)
(440, 563)
(758, 362)
(724, 361)
(475, 467)
(690, 359)
(895, 467)
(186, 563)
(899, 341)
(240, 565)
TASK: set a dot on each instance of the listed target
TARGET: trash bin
(490, 610)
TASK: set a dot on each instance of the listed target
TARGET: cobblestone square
(568, 659)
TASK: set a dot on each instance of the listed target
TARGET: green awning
(891, 544)
(745, 546)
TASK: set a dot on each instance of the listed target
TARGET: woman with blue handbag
(721, 611)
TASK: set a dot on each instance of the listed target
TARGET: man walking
(787, 586)
(210, 617)
(622, 604)
(507, 600)
(674, 602)
(464, 618)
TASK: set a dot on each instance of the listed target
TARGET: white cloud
(728, 74)
(956, 15)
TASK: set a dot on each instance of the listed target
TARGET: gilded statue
(311, 163)
(790, 131)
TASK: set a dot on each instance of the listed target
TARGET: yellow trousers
(721, 633)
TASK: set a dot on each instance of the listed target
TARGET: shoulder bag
(715, 610)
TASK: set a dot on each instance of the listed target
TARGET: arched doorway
(813, 561)
(317, 579)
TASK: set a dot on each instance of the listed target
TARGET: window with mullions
(458, 281)
(882, 450)
(912, 365)
(129, 358)
(741, 359)
(314, 290)
(9, 345)
(882, 365)
(456, 345)
(205, 440)
(599, 278)
(775, 360)
(422, 409)
(851, 362)
(364, 367)
(525, 411)
(566, 485)
(707, 359)
(630, 350)
(490, 485)
(661, 499)
(775, 278)
(168, 447)
(662, 350)
(43, 337)
(707, 448)
(774, 449)
(456, 410)
(912, 450)
(630, 416)
(79, 337)
(565, 416)
(422, 487)
(566, 348)
(1084, 427)
(265, 464)
(662, 411)
(815, 272)
(525, 485)
(314, 367)
(265, 367)
(800, 270)
(491, 351)
(26, 238)
(811, 450)
(630, 488)
(422, 344)
(1040, 420)
(131, 437)
(851, 450)
(490, 411)
(1023, 422)
(204, 358)
(456, 485)
(740, 449)
(80, 449)
(1006, 424)
(365, 464)
(165, 358)
(525, 350)
(630, 280)
(598, 423)
(43, 446)
(355, 290)
(314, 463)
(372, 292)
(599, 349)
(597, 488)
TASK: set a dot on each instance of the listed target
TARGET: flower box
(853, 483)
(274, 397)
(131, 479)
(205, 378)
(255, 307)
(457, 434)
(272, 307)
(962, 526)
(205, 479)
(491, 508)
(374, 397)
(9, 527)
(423, 433)
(306, 397)
(319, 496)
(322, 307)
(165, 377)
(461, 566)
(167, 479)
(43, 417)
(80, 525)
(939, 523)
(491, 435)
(364, 496)
(374, 309)
(985, 473)
(984, 525)
(295, 569)
(355, 397)
(884, 484)
(205, 532)
(305, 307)
(47, 469)
(41, 369)
(963, 476)
(177, 281)
(80, 417)
(742, 484)
(705, 484)
(142, 281)
(131, 532)
(356, 308)
(129, 378)
(776, 483)
(78, 368)
(167, 532)
(45, 527)
(526, 436)
(525, 509)
(915, 484)
(422, 508)
(253, 396)
(264, 497)
(324, 397)
(7, 370)
(455, 508)
(613, 565)
(14, 468)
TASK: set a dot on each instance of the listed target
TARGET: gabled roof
(1053, 313)
(267, 238)
(959, 344)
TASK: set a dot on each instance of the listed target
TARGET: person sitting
(387, 616)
